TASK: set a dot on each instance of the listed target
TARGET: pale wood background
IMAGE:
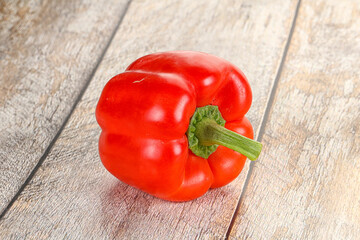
(48, 51)
(302, 61)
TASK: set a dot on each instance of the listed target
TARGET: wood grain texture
(73, 196)
(48, 50)
(307, 183)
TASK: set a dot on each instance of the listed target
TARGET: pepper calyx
(206, 132)
(205, 113)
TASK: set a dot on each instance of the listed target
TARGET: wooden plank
(48, 50)
(73, 196)
(307, 183)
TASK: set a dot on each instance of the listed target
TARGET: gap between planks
(48, 149)
(261, 130)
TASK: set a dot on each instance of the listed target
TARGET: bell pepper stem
(209, 133)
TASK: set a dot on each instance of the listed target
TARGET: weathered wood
(48, 50)
(307, 183)
(73, 196)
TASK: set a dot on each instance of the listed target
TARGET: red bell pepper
(163, 120)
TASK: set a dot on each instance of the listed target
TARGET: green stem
(209, 133)
(206, 132)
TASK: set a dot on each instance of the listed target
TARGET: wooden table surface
(302, 60)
